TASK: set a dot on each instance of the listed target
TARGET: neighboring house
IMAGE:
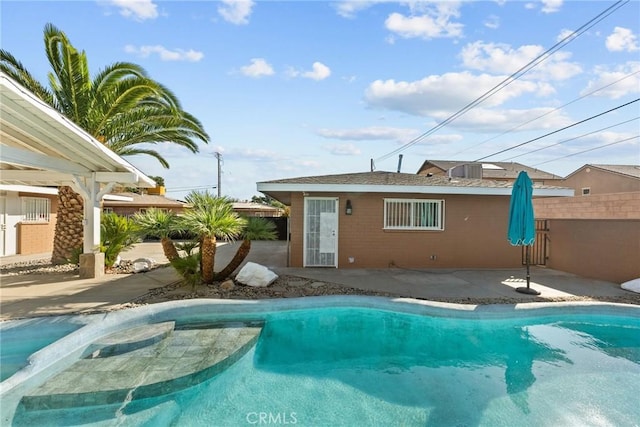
(127, 204)
(382, 219)
(496, 171)
(604, 179)
(257, 209)
(27, 219)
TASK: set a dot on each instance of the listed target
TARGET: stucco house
(382, 219)
(604, 179)
(495, 171)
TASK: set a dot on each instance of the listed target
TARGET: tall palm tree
(120, 106)
(256, 229)
(159, 223)
(211, 218)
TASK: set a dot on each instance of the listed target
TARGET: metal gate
(540, 248)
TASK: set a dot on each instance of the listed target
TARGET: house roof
(391, 182)
(41, 147)
(632, 171)
(146, 200)
(493, 170)
(254, 206)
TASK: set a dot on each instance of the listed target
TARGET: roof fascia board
(29, 189)
(418, 189)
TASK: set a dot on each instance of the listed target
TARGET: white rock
(142, 264)
(256, 275)
(632, 285)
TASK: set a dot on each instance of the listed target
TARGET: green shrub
(117, 233)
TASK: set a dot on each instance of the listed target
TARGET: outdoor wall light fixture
(348, 209)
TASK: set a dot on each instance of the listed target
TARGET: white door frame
(333, 231)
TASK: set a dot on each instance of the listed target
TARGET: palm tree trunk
(169, 249)
(235, 262)
(69, 230)
(208, 249)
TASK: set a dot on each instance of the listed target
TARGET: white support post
(91, 260)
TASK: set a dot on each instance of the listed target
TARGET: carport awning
(41, 147)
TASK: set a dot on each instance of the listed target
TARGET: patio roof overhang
(41, 147)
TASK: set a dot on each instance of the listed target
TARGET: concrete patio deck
(33, 295)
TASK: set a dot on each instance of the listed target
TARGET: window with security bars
(35, 209)
(413, 214)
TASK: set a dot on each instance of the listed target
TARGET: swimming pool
(374, 361)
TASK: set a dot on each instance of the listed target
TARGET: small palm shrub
(117, 233)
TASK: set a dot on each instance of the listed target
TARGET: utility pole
(219, 157)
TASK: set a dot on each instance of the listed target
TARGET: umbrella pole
(528, 289)
(527, 259)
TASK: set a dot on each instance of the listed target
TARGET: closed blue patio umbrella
(522, 227)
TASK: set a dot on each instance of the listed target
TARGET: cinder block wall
(594, 236)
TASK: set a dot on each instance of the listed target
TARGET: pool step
(129, 340)
(184, 358)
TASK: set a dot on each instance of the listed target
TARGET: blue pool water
(356, 366)
(21, 339)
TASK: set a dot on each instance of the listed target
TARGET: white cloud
(258, 68)
(349, 8)
(319, 71)
(423, 26)
(492, 22)
(343, 149)
(503, 59)
(498, 120)
(445, 93)
(628, 74)
(370, 133)
(564, 34)
(551, 6)
(138, 10)
(622, 39)
(236, 11)
(164, 53)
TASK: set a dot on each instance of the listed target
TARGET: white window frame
(430, 204)
(36, 209)
(586, 191)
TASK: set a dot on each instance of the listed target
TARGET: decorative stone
(227, 285)
(141, 265)
(256, 275)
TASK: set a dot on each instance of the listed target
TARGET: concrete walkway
(39, 295)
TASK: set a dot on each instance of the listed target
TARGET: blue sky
(297, 88)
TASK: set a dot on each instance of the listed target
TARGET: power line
(558, 130)
(586, 151)
(546, 114)
(570, 139)
(516, 75)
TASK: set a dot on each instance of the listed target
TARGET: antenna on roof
(399, 162)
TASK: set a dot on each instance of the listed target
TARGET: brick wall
(37, 238)
(475, 234)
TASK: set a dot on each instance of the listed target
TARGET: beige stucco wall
(475, 234)
(601, 182)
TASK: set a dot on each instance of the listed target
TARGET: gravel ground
(284, 287)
